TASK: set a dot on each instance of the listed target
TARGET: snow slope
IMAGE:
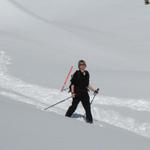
(112, 36)
(41, 40)
(42, 97)
(27, 128)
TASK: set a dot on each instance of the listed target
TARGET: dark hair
(81, 61)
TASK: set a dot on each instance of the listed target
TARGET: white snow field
(40, 40)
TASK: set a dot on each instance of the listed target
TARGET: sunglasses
(82, 64)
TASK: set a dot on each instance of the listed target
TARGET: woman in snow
(79, 89)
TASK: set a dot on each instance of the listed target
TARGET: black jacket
(81, 81)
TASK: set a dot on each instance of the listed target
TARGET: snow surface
(39, 41)
(113, 36)
(27, 128)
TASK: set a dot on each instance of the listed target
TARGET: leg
(73, 107)
(87, 106)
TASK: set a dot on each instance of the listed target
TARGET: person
(79, 88)
(147, 2)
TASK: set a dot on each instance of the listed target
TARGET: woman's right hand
(73, 95)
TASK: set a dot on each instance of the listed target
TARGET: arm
(91, 88)
(72, 91)
(73, 81)
(96, 91)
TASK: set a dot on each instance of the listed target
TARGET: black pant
(85, 100)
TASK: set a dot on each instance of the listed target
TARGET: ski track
(41, 97)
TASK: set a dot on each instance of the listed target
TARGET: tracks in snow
(41, 97)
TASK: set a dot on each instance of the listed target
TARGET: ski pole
(58, 102)
(94, 97)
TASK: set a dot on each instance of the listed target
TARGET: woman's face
(82, 66)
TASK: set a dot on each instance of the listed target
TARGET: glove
(96, 91)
